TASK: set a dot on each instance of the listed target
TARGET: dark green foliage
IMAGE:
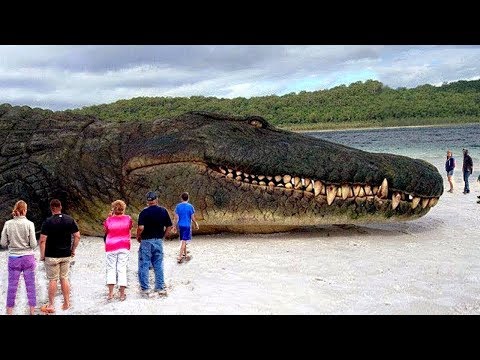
(368, 103)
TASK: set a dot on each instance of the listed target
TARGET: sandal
(179, 259)
(123, 297)
(47, 309)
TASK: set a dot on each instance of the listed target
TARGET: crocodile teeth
(383, 190)
(323, 190)
(361, 193)
(356, 190)
(297, 182)
(396, 200)
(433, 202)
(368, 190)
(331, 192)
(415, 202)
(345, 191)
(425, 202)
(317, 187)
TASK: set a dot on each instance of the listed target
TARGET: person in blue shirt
(184, 215)
(449, 167)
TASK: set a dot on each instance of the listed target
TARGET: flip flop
(47, 309)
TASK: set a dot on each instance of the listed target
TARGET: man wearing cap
(467, 170)
(153, 224)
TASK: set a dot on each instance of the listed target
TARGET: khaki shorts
(57, 267)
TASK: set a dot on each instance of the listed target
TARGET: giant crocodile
(243, 174)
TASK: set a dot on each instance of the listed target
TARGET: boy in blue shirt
(184, 215)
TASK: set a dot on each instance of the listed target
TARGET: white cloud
(59, 77)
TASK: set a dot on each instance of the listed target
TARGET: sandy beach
(427, 266)
(377, 128)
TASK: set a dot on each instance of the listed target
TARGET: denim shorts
(450, 173)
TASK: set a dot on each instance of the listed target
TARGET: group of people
(56, 249)
(60, 236)
(467, 170)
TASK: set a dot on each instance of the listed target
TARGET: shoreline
(380, 128)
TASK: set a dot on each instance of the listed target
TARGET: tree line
(360, 104)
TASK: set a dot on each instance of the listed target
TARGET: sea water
(426, 143)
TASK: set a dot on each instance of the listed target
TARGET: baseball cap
(151, 195)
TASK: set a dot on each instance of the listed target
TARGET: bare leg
(32, 310)
(122, 293)
(52, 290)
(9, 310)
(450, 182)
(182, 247)
(110, 291)
(66, 293)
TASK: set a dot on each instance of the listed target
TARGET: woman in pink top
(117, 246)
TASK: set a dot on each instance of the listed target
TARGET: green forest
(360, 104)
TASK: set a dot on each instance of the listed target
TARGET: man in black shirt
(153, 224)
(467, 170)
(57, 250)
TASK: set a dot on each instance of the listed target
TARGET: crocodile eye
(256, 123)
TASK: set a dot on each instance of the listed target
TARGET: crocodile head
(245, 175)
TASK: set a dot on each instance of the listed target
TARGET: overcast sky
(67, 77)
